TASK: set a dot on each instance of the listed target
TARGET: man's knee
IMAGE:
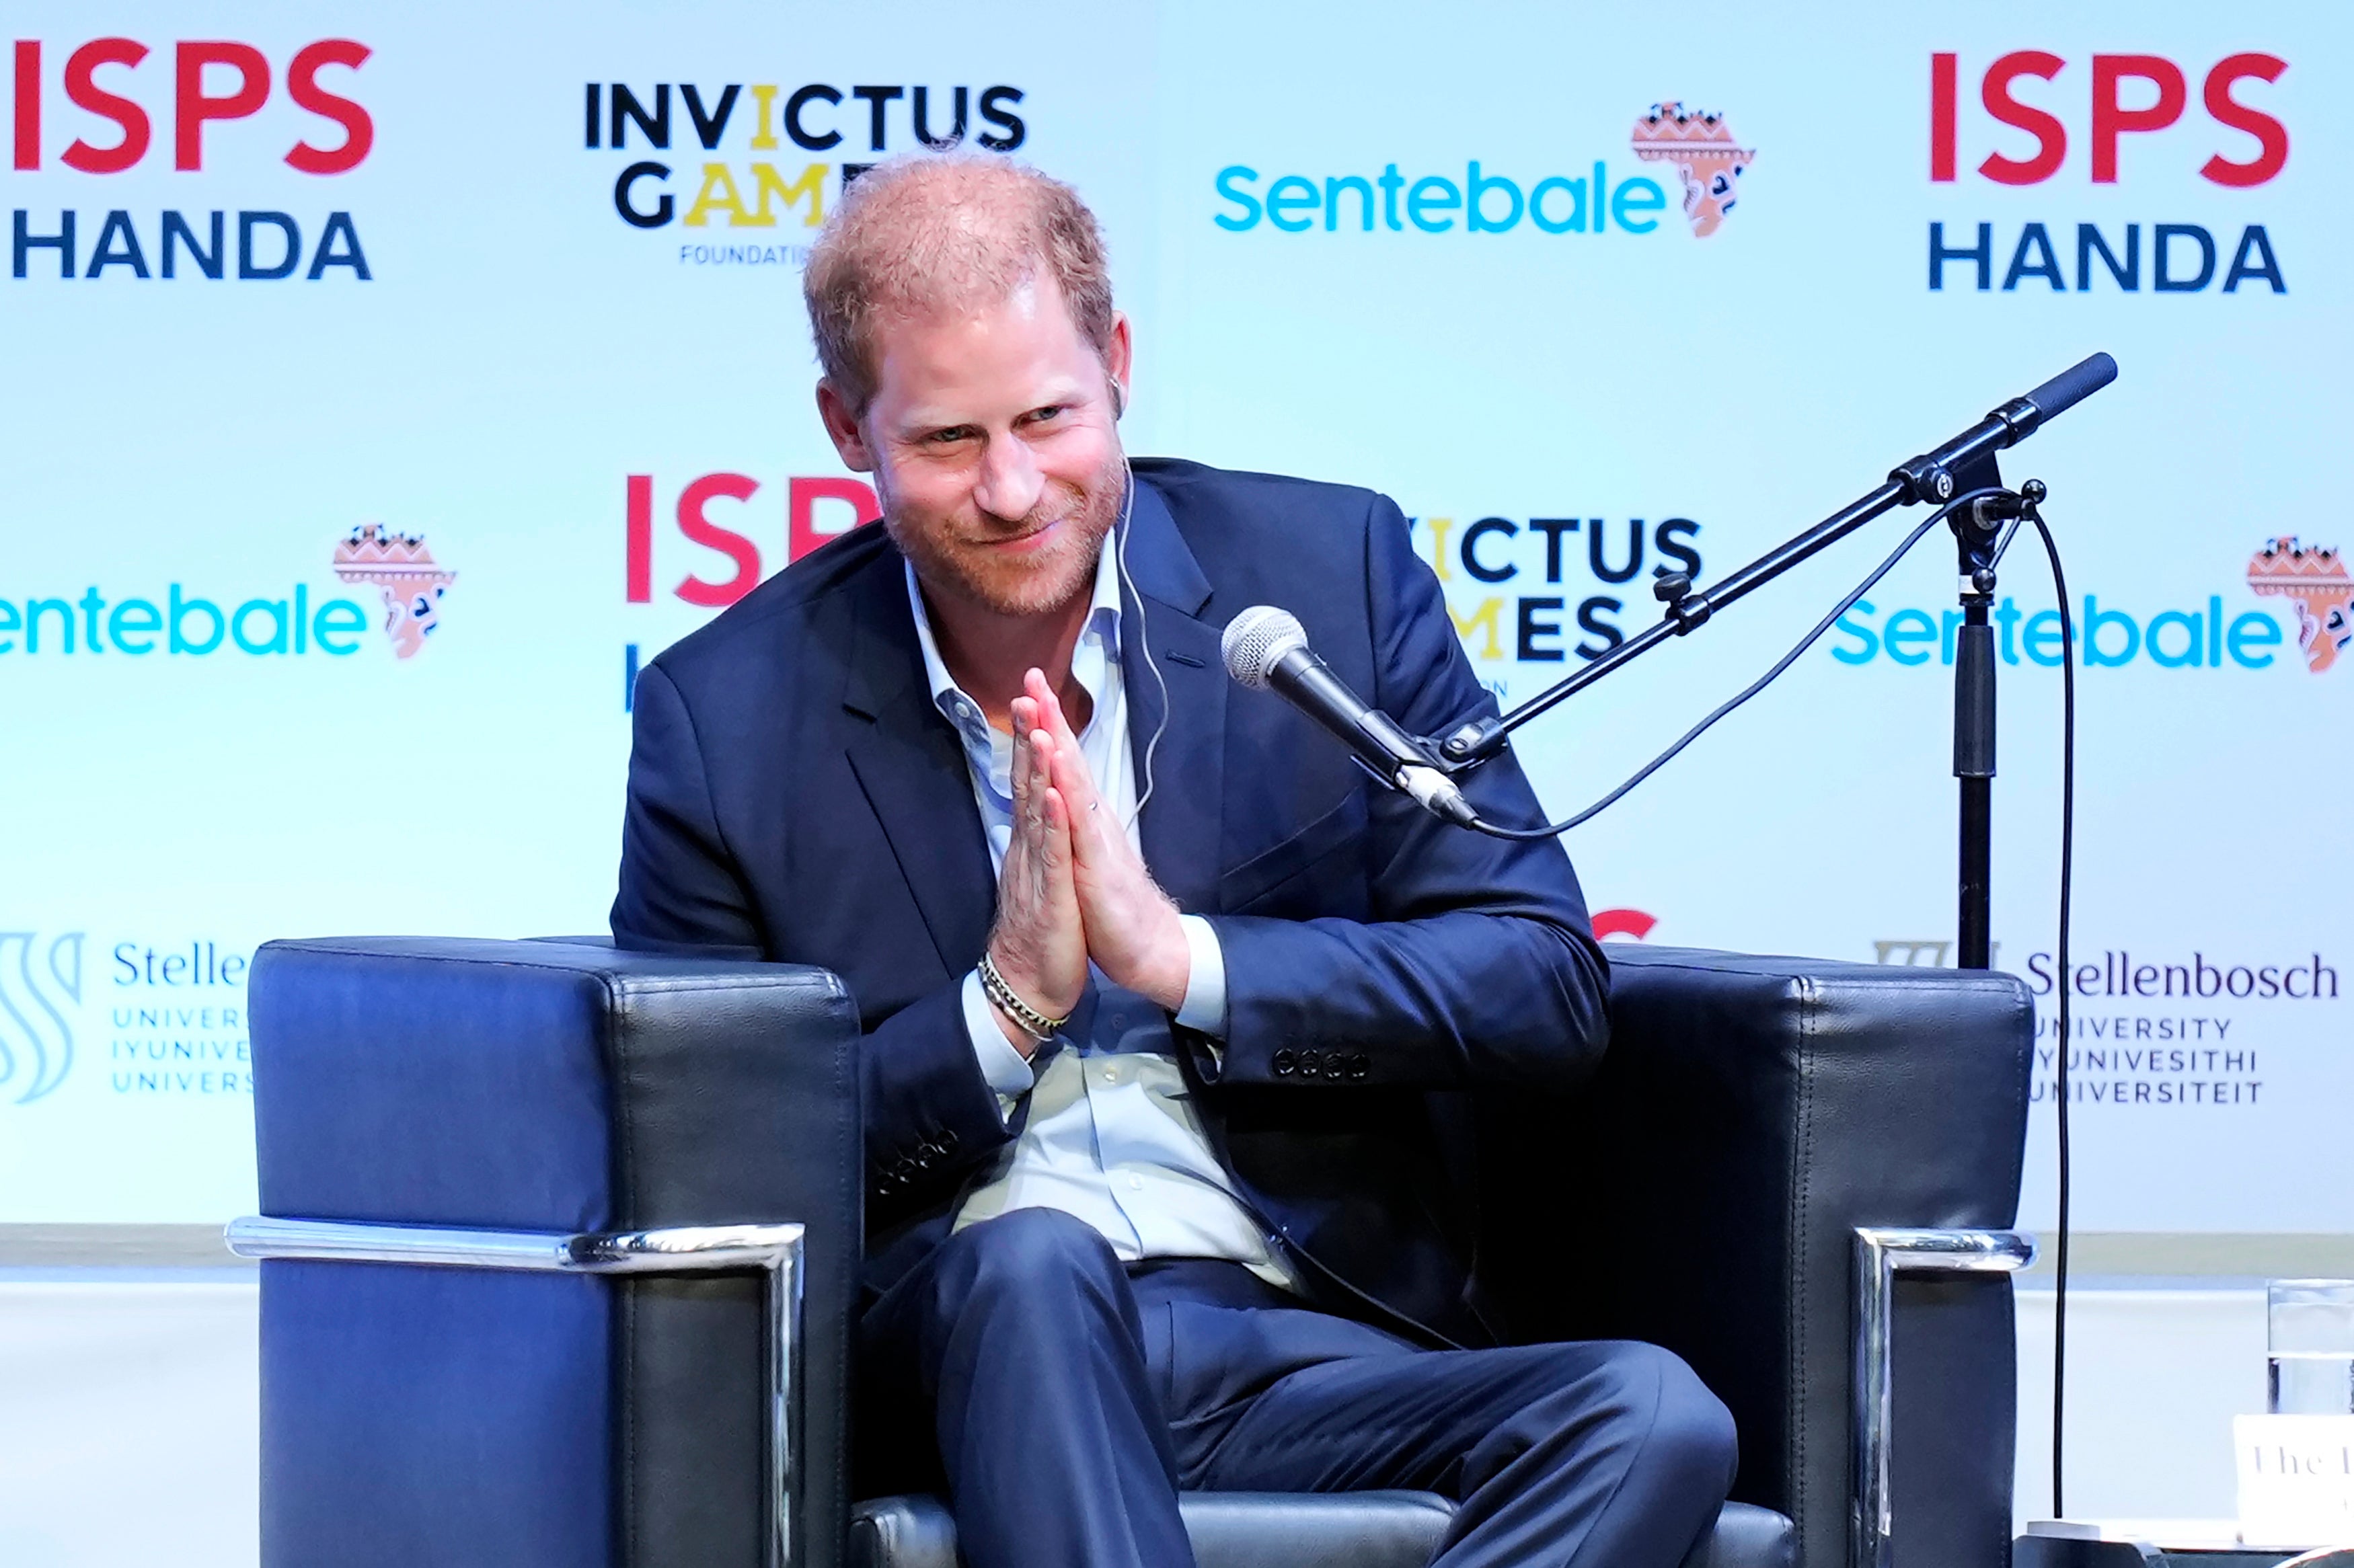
(1683, 1427)
(1033, 1254)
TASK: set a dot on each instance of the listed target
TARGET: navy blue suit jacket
(795, 794)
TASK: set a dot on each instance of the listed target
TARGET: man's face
(993, 443)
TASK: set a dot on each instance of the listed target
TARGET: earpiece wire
(1143, 638)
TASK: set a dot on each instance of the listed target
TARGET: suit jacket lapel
(1181, 825)
(912, 768)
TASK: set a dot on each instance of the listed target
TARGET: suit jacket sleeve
(929, 1112)
(1479, 966)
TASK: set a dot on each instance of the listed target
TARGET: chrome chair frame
(1881, 1255)
(774, 1249)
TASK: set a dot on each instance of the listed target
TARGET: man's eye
(952, 436)
(1051, 412)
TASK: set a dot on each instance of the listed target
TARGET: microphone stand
(1962, 466)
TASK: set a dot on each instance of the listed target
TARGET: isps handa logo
(84, 114)
(2106, 120)
(40, 994)
(181, 621)
(712, 554)
(732, 165)
(1490, 199)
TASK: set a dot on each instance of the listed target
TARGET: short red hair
(930, 232)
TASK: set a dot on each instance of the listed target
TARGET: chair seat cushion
(1295, 1530)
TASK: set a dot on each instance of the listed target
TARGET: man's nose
(1011, 481)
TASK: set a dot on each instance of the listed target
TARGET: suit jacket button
(1359, 1067)
(1285, 1064)
(947, 1138)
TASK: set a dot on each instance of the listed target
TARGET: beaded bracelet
(1026, 1018)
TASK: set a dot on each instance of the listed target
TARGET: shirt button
(1136, 1184)
(1112, 1074)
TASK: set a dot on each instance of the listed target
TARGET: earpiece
(1119, 398)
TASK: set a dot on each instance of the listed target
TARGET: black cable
(1808, 640)
(2067, 869)
(2066, 1044)
(2067, 877)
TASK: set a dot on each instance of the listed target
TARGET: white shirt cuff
(1204, 1007)
(1001, 1064)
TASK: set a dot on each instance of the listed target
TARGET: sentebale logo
(1700, 144)
(2315, 579)
(403, 571)
(39, 981)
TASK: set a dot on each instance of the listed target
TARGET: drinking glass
(2311, 1337)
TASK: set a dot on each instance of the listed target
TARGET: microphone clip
(1984, 529)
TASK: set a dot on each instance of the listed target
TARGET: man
(1168, 1009)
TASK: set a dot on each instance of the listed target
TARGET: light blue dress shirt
(1112, 1136)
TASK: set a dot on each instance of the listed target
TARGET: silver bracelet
(1026, 1018)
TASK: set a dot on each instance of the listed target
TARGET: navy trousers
(1062, 1401)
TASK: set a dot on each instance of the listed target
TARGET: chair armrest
(549, 1087)
(1703, 1191)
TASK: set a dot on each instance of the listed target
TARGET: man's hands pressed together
(1038, 945)
(1074, 888)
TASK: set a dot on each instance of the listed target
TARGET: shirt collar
(1092, 662)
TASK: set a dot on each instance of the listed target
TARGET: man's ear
(1120, 355)
(841, 427)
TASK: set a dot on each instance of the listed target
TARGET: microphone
(1937, 475)
(1266, 649)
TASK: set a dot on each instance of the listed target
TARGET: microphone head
(1255, 639)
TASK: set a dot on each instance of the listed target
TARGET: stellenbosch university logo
(96, 109)
(182, 621)
(2160, 1030)
(1491, 198)
(730, 163)
(40, 996)
(2215, 635)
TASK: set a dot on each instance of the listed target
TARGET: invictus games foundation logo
(2316, 580)
(735, 156)
(40, 979)
(1700, 145)
(403, 571)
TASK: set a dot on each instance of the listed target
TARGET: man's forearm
(1461, 999)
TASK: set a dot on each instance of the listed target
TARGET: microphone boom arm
(1961, 465)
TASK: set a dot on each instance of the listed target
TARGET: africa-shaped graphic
(2315, 579)
(402, 569)
(1701, 146)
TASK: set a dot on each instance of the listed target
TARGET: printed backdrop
(385, 384)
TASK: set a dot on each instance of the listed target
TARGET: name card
(2297, 1480)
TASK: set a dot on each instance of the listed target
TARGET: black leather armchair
(561, 1249)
